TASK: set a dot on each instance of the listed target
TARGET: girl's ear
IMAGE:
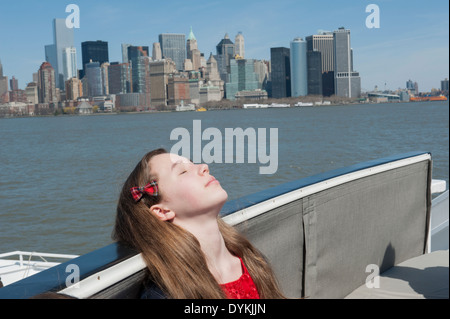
(162, 213)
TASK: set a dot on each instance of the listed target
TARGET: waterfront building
(159, 79)
(94, 79)
(119, 78)
(178, 90)
(242, 77)
(314, 72)
(239, 45)
(347, 82)
(299, 72)
(31, 93)
(3, 82)
(54, 53)
(47, 84)
(323, 42)
(281, 72)
(3, 86)
(173, 46)
(95, 51)
(74, 89)
(444, 85)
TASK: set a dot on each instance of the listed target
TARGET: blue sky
(411, 43)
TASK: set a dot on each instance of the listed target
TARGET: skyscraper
(323, 43)
(314, 72)
(156, 52)
(173, 46)
(69, 63)
(3, 82)
(242, 77)
(139, 71)
(299, 70)
(62, 39)
(347, 82)
(281, 72)
(94, 51)
(239, 45)
(225, 52)
(192, 51)
(119, 78)
(94, 79)
(47, 84)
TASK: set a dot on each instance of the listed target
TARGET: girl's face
(187, 189)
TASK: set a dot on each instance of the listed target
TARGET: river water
(60, 176)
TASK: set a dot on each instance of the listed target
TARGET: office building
(74, 89)
(225, 52)
(47, 84)
(156, 52)
(93, 74)
(159, 78)
(323, 43)
(124, 47)
(242, 78)
(444, 85)
(192, 51)
(14, 84)
(239, 45)
(140, 72)
(69, 63)
(31, 93)
(299, 70)
(94, 51)
(3, 82)
(347, 82)
(54, 53)
(173, 46)
(119, 78)
(178, 90)
(281, 72)
(314, 72)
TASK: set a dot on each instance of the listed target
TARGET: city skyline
(411, 43)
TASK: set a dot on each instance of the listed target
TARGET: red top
(243, 288)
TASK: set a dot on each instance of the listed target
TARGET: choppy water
(60, 176)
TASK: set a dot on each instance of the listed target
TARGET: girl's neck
(218, 257)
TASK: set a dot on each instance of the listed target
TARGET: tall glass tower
(281, 72)
(299, 69)
(54, 53)
(94, 51)
(173, 46)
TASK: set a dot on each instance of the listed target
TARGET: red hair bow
(150, 189)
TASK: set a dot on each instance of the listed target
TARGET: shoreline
(213, 109)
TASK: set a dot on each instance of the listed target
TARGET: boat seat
(422, 277)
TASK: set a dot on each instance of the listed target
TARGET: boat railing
(42, 256)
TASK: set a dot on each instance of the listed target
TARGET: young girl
(168, 210)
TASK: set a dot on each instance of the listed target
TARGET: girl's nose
(203, 168)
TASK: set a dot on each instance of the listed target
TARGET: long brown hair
(175, 261)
